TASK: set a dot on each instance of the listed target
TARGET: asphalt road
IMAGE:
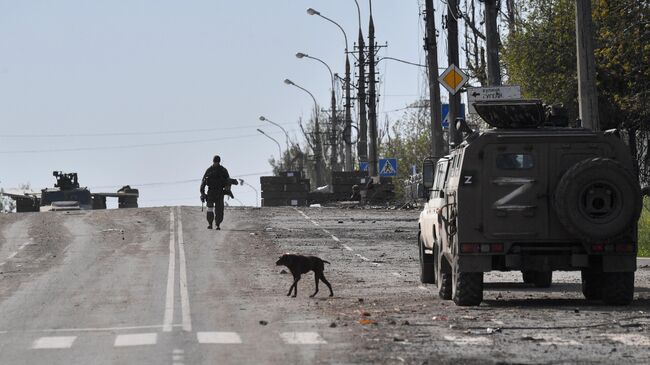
(154, 286)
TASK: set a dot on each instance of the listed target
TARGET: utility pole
(318, 150)
(333, 153)
(452, 59)
(348, 116)
(372, 100)
(587, 93)
(430, 45)
(492, 43)
(363, 122)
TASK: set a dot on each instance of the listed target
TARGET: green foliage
(541, 57)
(644, 230)
(409, 140)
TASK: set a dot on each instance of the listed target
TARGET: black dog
(299, 265)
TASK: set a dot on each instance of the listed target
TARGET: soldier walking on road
(217, 179)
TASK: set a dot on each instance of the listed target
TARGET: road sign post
(387, 167)
(475, 94)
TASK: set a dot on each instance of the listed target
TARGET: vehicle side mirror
(442, 193)
(427, 173)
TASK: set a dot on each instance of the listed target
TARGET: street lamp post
(286, 135)
(318, 149)
(274, 140)
(348, 102)
(333, 157)
(242, 182)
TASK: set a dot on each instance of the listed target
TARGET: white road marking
(302, 338)
(96, 329)
(169, 302)
(185, 298)
(218, 337)
(301, 212)
(423, 287)
(466, 340)
(336, 238)
(347, 247)
(178, 351)
(327, 232)
(136, 339)
(2, 263)
(315, 223)
(13, 254)
(396, 274)
(55, 342)
(363, 257)
(629, 339)
(178, 357)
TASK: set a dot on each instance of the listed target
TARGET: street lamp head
(262, 118)
(301, 55)
(312, 11)
(288, 82)
(261, 131)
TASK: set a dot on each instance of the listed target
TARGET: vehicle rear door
(515, 200)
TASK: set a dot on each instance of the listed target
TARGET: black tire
(598, 199)
(592, 285)
(467, 287)
(443, 279)
(427, 273)
(543, 279)
(528, 276)
(618, 288)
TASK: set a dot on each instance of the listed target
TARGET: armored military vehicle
(533, 197)
(67, 194)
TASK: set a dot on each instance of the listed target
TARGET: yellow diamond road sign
(453, 79)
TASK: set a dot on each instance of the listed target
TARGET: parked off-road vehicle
(533, 197)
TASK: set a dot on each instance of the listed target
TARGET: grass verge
(644, 230)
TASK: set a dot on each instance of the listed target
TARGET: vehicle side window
(515, 161)
(441, 175)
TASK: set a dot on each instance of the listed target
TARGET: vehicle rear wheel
(592, 285)
(427, 275)
(443, 279)
(618, 288)
(467, 287)
(542, 279)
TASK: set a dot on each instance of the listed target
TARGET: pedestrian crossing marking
(54, 342)
(302, 338)
(218, 337)
(136, 339)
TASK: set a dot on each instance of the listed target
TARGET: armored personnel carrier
(533, 197)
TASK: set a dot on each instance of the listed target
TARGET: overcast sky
(144, 92)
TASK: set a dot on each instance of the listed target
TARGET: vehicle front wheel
(443, 279)
(467, 287)
(592, 285)
(543, 279)
(427, 274)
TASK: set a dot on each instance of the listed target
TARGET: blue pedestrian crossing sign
(363, 166)
(387, 167)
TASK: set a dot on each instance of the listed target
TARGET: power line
(115, 134)
(99, 148)
(178, 182)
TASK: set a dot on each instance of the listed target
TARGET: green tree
(409, 139)
(541, 57)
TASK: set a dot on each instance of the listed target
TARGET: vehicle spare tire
(598, 199)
